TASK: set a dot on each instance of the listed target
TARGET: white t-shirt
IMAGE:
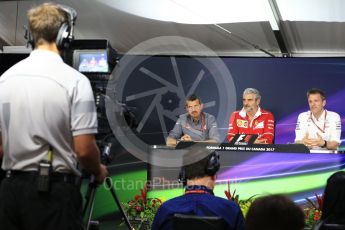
(328, 126)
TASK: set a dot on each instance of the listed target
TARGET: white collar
(44, 54)
(243, 113)
(322, 116)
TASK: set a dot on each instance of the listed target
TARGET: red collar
(198, 189)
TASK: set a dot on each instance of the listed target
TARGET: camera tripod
(90, 200)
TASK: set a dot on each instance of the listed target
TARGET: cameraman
(47, 121)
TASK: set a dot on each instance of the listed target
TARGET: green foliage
(244, 204)
(141, 210)
(313, 212)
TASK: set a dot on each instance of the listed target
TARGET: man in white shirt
(48, 123)
(318, 128)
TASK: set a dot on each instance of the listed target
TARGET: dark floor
(110, 225)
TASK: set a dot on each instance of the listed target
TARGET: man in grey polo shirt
(46, 105)
(194, 125)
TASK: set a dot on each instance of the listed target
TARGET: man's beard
(248, 109)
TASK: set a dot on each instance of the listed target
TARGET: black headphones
(212, 167)
(213, 164)
(65, 34)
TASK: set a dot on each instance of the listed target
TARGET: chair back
(182, 222)
(321, 225)
(333, 227)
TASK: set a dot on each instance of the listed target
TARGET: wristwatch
(324, 145)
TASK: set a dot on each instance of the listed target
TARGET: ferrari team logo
(259, 125)
(242, 123)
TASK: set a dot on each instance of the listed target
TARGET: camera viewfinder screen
(93, 62)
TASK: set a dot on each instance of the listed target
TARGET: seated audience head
(333, 210)
(194, 106)
(251, 100)
(274, 212)
(202, 172)
(199, 169)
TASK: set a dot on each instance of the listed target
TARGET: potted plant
(313, 211)
(244, 204)
(142, 210)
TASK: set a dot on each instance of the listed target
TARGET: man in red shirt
(252, 119)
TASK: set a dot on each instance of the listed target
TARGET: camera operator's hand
(103, 173)
(89, 156)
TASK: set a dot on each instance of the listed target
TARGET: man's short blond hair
(45, 20)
